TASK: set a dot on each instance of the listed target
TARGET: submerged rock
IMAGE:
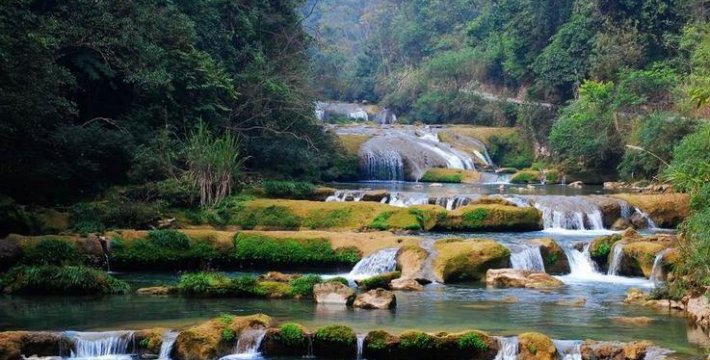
(376, 299)
(461, 260)
(333, 293)
(580, 301)
(633, 320)
(517, 278)
(156, 291)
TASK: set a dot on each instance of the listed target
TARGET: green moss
(338, 279)
(434, 176)
(166, 249)
(525, 177)
(475, 217)
(318, 219)
(170, 239)
(64, 280)
(377, 340)
(53, 252)
(336, 334)
(270, 217)
(228, 335)
(380, 222)
(303, 286)
(291, 334)
(415, 340)
(552, 176)
(379, 281)
(265, 250)
(206, 284)
(472, 341)
(602, 250)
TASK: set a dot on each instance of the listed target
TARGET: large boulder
(406, 285)
(698, 309)
(208, 341)
(666, 210)
(536, 346)
(15, 344)
(490, 217)
(463, 260)
(600, 248)
(411, 262)
(376, 299)
(333, 293)
(521, 279)
(553, 256)
(594, 350)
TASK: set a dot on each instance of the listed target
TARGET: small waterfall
(529, 258)
(108, 264)
(508, 348)
(97, 344)
(568, 349)
(649, 222)
(167, 346)
(383, 165)
(495, 178)
(309, 348)
(454, 202)
(656, 353)
(379, 262)
(580, 262)
(617, 253)
(403, 199)
(568, 213)
(360, 346)
(346, 195)
(624, 209)
(248, 345)
(657, 275)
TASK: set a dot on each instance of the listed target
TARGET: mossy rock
(491, 217)
(335, 342)
(415, 344)
(378, 281)
(411, 261)
(639, 257)
(208, 340)
(257, 249)
(526, 177)
(600, 248)
(14, 344)
(148, 341)
(536, 346)
(468, 260)
(554, 258)
(454, 176)
(380, 344)
(290, 339)
(666, 210)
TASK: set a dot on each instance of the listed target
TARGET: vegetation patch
(455, 176)
(60, 280)
(466, 260)
(379, 281)
(490, 217)
(291, 334)
(526, 177)
(168, 249)
(472, 341)
(415, 340)
(284, 189)
(264, 250)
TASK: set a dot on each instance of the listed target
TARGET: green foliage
(690, 168)
(602, 251)
(170, 239)
(381, 221)
(288, 189)
(475, 218)
(338, 279)
(227, 335)
(114, 212)
(64, 280)
(377, 340)
(264, 250)
(303, 286)
(52, 252)
(205, 284)
(415, 340)
(379, 281)
(291, 334)
(525, 177)
(336, 334)
(274, 217)
(171, 251)
(510, 150)
(432, 176)
(324, 219)
(472, 341)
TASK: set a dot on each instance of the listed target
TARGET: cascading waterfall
(166, 347)
(649, 222)
(568, 213)
(529, 258)
(568, 349)
(379, 262)
(625, 209)
(580, 262)
(454, 202)
(97, 344)
(507, 348)
(309, 347)
(383, 165)
(617, 253)
(360, 346)
(657, 275)
(402, 199)
(248, 345)
(346, 195)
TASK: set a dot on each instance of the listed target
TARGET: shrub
(291, 334)
(472, 341)
(265, 250)
(171, 239)
(303, 286)
(510, 150)
(228, 335)
(690, 168)
(52, 252)
(65, 280)
(114, 212)
(602, 250)
(415, 340)
(377, 340)
(336, 334)
(205, 284)
(379, 281)
(164, 249)
(273, 217)
(525, 177)
(288, 189)
(380, 222)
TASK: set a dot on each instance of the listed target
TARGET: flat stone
(376, 299)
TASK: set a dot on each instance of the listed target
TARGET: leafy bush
(52, 252)
(472, 341)
(379, 281)
(525, 177)
(303, 286)
(205, 284)
(170, 239)
(690, 168)
(114, 212)
(272, 217)
(64, 280)
(510, 150)
(172, 254)
(336, 334)
(228, 335)
(288, 189)
(415, 340)
(291, 334)
(264, 250)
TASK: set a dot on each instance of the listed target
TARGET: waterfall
(403, 199)
(624, 209)
(309, 348)
(656, 353)
(568, 213)
(454, 202)
(360, 345)
(108, 264)
(580, 262)
(568, 349)
(529, 258)
(97, 344)
(649, 222)
(167, 345)
(617, 253)
(508, 348)
(495, 178)
(379, 262)
(383, 165)
(346, 195)
(248, 345)
(657, 274)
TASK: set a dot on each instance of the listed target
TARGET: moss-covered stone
(379, 344)
(206, 341)
(378, 281)
(600, 248)
(490, 217)
(666, 210)
(556, 262)
(335, 342)
(526, 177)
(463, 260)
(264, 250)
(639, 257)
(536, 346)
(411, 262)
(456, 176)
(148, 341)
(289, 339)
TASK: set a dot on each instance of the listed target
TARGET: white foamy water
(379, 262)
(508, 348)
(248, 345)
(584, 270)
(108, 344)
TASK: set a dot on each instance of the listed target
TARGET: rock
(10, 253)
(166, 223)
(204, 341)
(593, 350)
(462, 260)
(613, 185)
(600, 248)
(156, 291)
(638, 257)
(411, 261)
(333, 293)
(554, 257)
(699, 310)
(16, 344)
(375, 195)
(666, 210)
(610, 208)
(665, 304)
(406, 285)
(631, 320)
(490, 217)
(580, 301)
(621, 224)
(635, 296)
(576, 184)
(536, 346)
(279, 277)
(376, 299)
(521, 279)
(510, 300)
